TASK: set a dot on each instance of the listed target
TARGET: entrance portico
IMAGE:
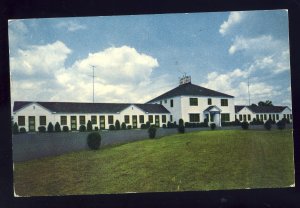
(213, 115)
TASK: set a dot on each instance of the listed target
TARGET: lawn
(204, 160)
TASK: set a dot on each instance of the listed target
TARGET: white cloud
(17, 30)
(233, 19)
(71, 26)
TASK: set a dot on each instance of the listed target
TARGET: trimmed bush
(268, 124)
(50, 127)
(245, 125)
(96, 128)
(143, 126)
(152, 131)
(57, 127)
(129, 127)
(89, 126)
(94, 140)
(112, 127)
(42, 129)
(82, 128)
(203, 124)
(65, 128)
(117, 124)
(15, 129)
(164, 126)
(22, 130)
(123, 126)
(281, 124)
(212, 126)
(181, 128)
(148, 124)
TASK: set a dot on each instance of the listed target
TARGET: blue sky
(138, 57)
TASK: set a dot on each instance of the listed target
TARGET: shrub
(268, 124)
(245, 125)
(57, 127)
(281, 124)
(129, 127)
(96, 128)
(42, 129)
(82, 128)
(112, 127)
(15, 129)
(288, 121)
(22, 130)
(164, 126)
(181, 128)
(212, 126)
(143, 126)
(123, 126)
(117, 124)
(65, 128)
(148, 124)
(50, 127)
(203, 124)
(152, 131)
(89, 126)
(94, 140)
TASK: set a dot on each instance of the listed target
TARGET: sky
(138, 57)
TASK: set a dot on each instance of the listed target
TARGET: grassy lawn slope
(204, 160)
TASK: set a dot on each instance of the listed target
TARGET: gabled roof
(211, 107)
(190, 89)
(70, 107)
(261, 109)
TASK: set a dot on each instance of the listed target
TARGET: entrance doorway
(31, 122)
(73, 123)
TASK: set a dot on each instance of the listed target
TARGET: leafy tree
(267, 103)
(117, 125)
(181, 128)
(15, 128)
(94, 140)
(57, 127)
(50, 127)
(123, 126)
(89, 126)
(152, 132)
(268, 124)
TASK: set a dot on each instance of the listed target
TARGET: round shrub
(129, 127)
(65, 128)
(245, 125)
(268, 125)
(112, 127)
(96, 128)
(57, 127)
(15, 128)
(148, 124)
(42, 129)
(281, 124)
(123, 126)
(143, 126)
(94, 140)
(22, 130)
(152, 131)
(50, 127)
(212, 126)
(164, 126)
(117, 124)
(82, 128)
(89, 126)
(181, 128)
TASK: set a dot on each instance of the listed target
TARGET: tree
(267, 103)
(15, 128)
(89, 126)
(181, 128)
(57, 127)
(117, 125)
(50, 127)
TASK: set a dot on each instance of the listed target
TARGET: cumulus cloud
(233, 19)
(17, 30)
(71, 25)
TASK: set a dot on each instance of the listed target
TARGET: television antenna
(93, 67)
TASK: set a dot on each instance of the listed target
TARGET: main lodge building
(189, 102)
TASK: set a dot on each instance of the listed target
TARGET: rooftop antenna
(248, 92)
(93, 67)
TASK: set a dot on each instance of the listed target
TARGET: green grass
(205, 160)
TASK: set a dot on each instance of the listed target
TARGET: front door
(73, 123)
(102, 122)
(134, 122)
(31, 122)
(157, 120)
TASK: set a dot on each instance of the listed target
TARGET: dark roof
(190, 89)
(68, 107)
(261, 109)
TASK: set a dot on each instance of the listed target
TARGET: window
(265, 116)
(225, 117)
(224, 102)
(209, 101)
(194, 118)
(240, 117)
(157, 120)
(94, 119)
(244, 117)
(166, 101)
(193, 101)
(284, 115)
(42, 120)
(82, 120)
(126, 119)
(171, 103)
(63, 120)
(110, 119)
(270, 116)
(21, 120)
(102, 122)
(257, 117)
(273, 117)
(277, 116)
(261, 117)
(171, 118)
(142, 119)
(164, 118)
(150, 118)
(249, 117)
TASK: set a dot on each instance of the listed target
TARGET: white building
(192, 103)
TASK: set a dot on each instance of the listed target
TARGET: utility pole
(93, 67)
(248, 92)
